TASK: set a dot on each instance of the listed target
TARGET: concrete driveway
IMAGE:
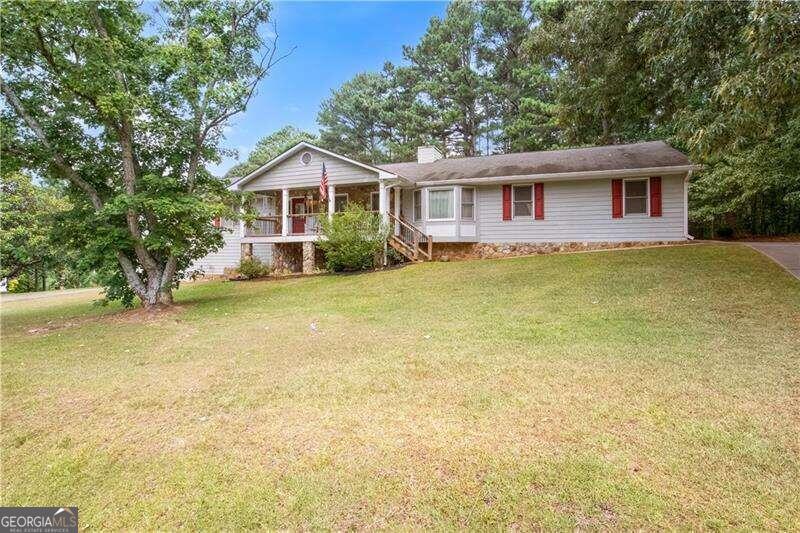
(786, 254)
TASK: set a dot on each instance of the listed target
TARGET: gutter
(561, 176)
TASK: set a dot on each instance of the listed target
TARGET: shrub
(353, 239)
(251, 268)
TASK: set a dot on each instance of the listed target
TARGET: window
(418, 205)
(440, 204)
(306, 158)
(635, 197)
(375, 200)
(339, 203)
(467, 203)
(523, 200)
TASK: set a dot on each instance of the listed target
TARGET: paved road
(786, 254)
(24, 296)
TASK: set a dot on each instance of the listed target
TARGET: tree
(127, 116)
(350, 120)
(409, 120)
(604, 93)
(268, 148)
(518, 82)
(27, 213)
(734, 70)
(445, 73)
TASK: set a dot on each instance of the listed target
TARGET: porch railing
(309, 222)
(264, 226)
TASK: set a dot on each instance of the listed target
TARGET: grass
(650, 388)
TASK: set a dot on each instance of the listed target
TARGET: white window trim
(513, 201)
(646, 198)
(346, 197)
(453, 192)
(373, 194)
(309, 161)
(421, 205)
(461, 203)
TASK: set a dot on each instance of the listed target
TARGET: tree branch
(60, 163)
(130, 164)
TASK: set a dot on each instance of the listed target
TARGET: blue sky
(335, 41)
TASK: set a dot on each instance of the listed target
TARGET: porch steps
(405, 250)
(410, 241)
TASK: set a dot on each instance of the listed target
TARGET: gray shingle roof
(613, 157)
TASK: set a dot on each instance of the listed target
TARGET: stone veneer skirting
(443, 251)
(294, 257)
(287, 257)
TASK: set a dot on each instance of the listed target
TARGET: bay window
(440, 204)
(418, 205)
(467, 203)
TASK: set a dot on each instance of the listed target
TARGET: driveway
(786, 254)
(8, 297)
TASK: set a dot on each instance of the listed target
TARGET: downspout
(686, 206)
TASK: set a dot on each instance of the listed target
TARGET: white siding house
(610, 194)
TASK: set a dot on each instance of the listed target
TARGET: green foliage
(446, 74)
(252, 268)
(519, 88)
(27, 214)
(269, 147)
(31, 247)
(125, 111)
(353, 239)
(351, 121)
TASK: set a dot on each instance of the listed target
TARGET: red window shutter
(538, 191)
(506, 202)
(616, 198)
(655, 196)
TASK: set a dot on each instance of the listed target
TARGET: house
(581, 198)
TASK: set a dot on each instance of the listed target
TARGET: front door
(298, 208)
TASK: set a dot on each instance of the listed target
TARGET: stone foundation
(295, 257)
(308, 257)
(445, 251)
(287, 257)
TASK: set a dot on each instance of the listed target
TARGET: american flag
(323, 184)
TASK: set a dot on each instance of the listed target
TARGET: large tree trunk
(156, 299)
(157, 291)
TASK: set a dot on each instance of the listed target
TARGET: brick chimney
(428, 154)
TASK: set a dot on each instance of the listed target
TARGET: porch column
(331, 200)
(383, 204)
(397, 192)
(285, 212)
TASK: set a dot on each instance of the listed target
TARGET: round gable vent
(305, 158)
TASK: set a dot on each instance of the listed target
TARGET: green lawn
(653, 388)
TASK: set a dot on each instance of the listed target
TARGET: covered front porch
(293, 214)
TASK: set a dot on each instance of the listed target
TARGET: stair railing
(412, 237)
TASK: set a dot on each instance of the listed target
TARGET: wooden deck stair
(409, 240)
